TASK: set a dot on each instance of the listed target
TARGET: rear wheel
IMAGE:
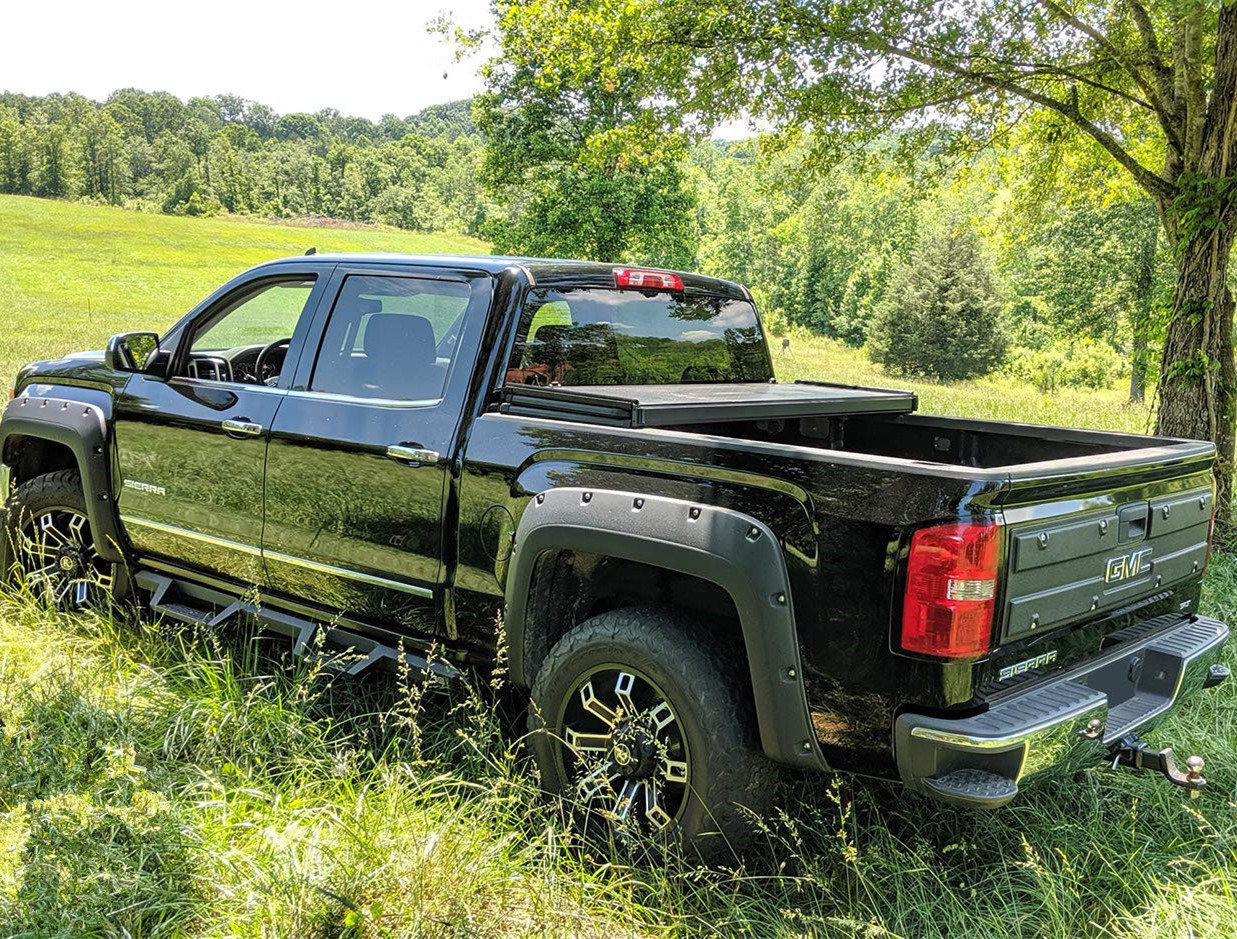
(651, 734)
(47, 546)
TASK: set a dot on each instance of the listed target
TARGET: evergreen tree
(940, 316)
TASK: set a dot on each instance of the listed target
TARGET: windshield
(601, 336)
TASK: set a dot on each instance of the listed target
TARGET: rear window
(600, 336)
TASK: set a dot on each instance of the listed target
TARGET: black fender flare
(82, 426)
(735, 551)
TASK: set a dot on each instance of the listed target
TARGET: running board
(201, 606)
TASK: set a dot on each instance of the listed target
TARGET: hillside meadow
(155, 782)
(72, 275)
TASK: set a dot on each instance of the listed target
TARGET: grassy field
(72, 275)
(157, 783)
(996, 398)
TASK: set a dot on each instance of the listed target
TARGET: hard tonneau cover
(704, 403)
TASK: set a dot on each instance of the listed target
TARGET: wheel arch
(726, 548)
(71, 433)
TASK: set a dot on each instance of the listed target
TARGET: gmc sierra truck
(703, 576)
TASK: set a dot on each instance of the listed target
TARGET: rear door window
(391, 338)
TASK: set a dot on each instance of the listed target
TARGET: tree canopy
(1150, 83)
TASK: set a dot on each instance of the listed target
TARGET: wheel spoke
(656, 815)
(626, 798)
(587, 743)
(595, 706)
(81, 590)
(44, 575)
(61, 590)
(35, 548)
(622, 690)
(77, 526)
(675, 771)
(50, 533)
(661, 716)
(599, 778)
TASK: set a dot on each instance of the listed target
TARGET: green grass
(153, 783)
(995, 398)
(72, 275)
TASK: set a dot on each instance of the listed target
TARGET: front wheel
(639, 723)
(48, 548)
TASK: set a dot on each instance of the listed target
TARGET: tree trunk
(1141, 318)
(1138, 368)
(1197, 373)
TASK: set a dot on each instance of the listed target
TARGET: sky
(362, 57)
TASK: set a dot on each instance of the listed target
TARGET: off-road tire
(732, 782)
(60, 490)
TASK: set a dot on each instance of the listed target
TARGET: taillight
(646, 279)
(950, 597)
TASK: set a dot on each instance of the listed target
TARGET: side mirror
(130, 352)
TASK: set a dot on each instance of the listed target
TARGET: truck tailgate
(1088, 552)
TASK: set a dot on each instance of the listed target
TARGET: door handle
(413, 456)
(241, 427)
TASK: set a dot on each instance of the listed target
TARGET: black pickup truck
(702, 575)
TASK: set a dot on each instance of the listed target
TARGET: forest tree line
(210, 155)
(1075, 270)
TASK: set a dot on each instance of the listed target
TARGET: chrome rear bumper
(1072, 719)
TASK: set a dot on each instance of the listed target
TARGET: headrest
(400, 335)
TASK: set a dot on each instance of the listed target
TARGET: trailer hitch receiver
(1131, 750)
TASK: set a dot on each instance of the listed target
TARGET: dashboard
(239, 364)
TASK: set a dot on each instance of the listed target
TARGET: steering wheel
(260, 366)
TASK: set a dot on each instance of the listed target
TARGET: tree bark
(1198, 378)
(1141, 319)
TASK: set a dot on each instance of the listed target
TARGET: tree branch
(1163, 109)
(1158, 187)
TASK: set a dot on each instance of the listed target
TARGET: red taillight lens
(646, 280)
(951, 590)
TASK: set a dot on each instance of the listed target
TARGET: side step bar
(210, 609)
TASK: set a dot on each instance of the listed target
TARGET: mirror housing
(130, 352)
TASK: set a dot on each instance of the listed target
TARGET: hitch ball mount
(1131, 750)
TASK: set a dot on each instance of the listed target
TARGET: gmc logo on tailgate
(1127, 566)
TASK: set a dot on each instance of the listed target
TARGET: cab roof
(542, 272)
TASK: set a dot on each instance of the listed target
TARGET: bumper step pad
(973, 787)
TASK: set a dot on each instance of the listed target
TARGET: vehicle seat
(401, 359)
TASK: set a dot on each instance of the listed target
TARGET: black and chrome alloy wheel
(47, 548)
(58, 561)
(627, 753)
(642, 724)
